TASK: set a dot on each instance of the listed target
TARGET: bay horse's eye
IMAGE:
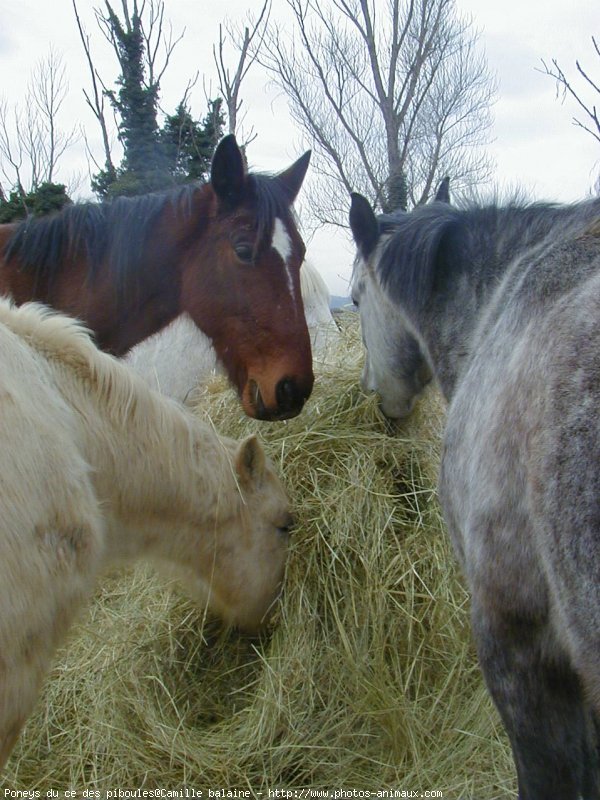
(245, 252)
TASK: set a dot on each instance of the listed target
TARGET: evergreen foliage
(189, 144)
(44, 199)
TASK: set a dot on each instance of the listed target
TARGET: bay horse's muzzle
(289, 398)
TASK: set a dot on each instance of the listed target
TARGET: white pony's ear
(363, 223)
(443, 193)
(250, 461)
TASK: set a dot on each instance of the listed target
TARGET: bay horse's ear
(292, 177)
(443, 193)
(228, 172)
(250, 461)
(363, 223)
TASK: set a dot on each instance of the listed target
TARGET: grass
(367, 677)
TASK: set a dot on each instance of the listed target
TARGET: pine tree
(189, 144)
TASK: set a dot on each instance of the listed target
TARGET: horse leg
(44, 580)
(22, 662)
(8, 739)
(541, 702)
(19, 689)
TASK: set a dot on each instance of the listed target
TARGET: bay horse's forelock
(505, 303)
(129, 267)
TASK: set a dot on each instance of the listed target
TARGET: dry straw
(367, 678)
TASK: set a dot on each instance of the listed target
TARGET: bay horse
(502, 304)
(96, 469)
(180, 358)
(227, 253)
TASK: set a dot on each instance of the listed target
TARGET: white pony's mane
(313, 284)
(125, 397)
(67, 342)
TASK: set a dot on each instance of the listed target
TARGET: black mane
(431, 245)
(117, 231)
(270, 199)
(408, 261)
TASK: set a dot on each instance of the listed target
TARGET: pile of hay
(367, 678)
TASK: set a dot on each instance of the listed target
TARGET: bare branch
(11, 149)
(248, 42)
(96, 103)
(47, 92)
(565, 87)
(155, 36)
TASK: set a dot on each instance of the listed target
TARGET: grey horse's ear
(443, 193)
(363, 223)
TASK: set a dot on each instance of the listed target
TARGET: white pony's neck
(147, 489)
(151, 491)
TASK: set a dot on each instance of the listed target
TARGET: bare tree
(12, 152)
(31, 139)
(589, 121)
(96, 100)
(391, 96)
(159, 42)
(248, 41)
(47, 92)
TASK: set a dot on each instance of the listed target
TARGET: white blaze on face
(283, 244)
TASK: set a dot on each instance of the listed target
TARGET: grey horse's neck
(486, 252)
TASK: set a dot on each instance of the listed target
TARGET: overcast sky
(535, 144)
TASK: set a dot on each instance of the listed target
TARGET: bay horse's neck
(118, 318)
(116, 267)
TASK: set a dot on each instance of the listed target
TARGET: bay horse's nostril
(288, 395)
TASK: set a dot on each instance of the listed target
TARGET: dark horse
(503, 305)
(228, 253)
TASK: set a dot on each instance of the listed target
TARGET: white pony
(180, 358)
(95, 468)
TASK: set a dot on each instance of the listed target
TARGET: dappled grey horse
(503, 305)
